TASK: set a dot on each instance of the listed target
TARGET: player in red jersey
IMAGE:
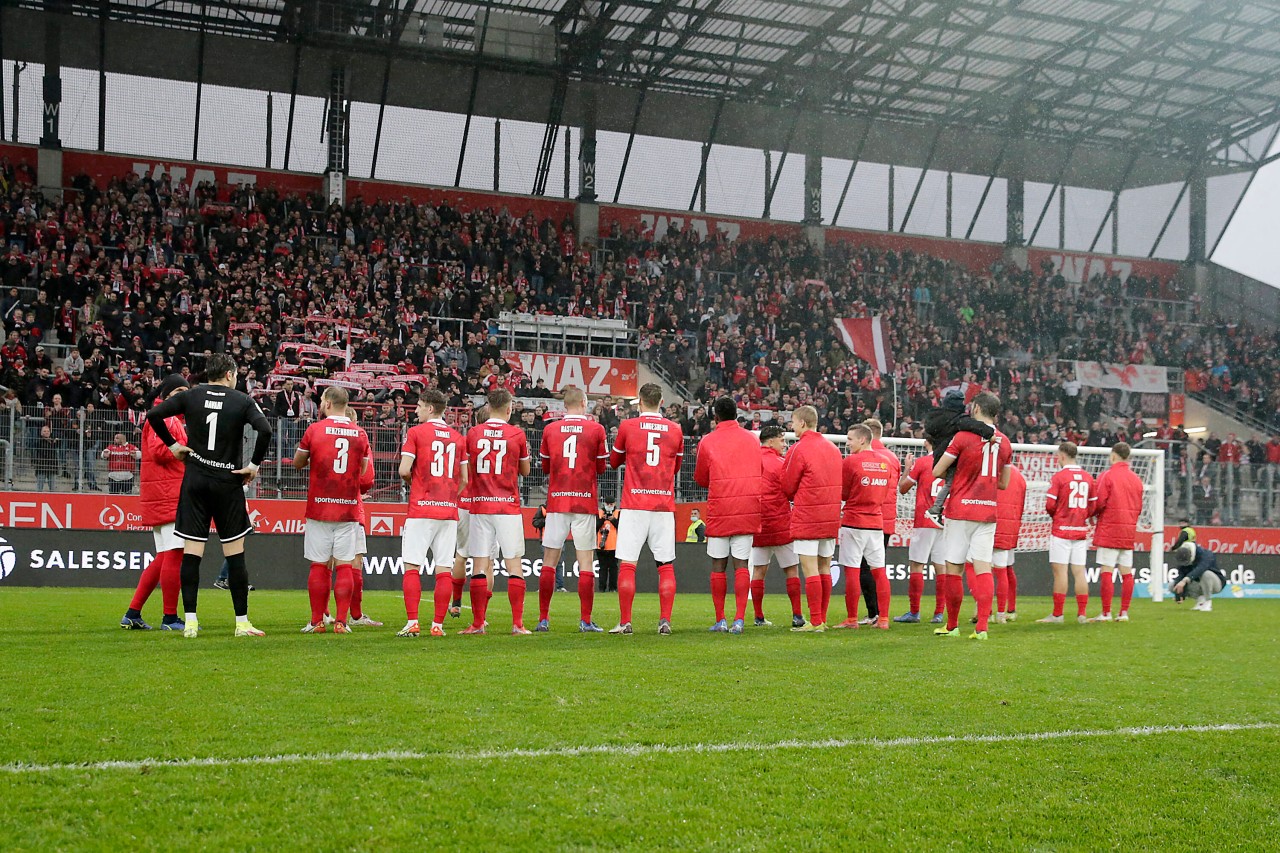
(982, 470)
(890, 513)
(811, 480)
(926, 537)
(358, 616)
(773, 542)
(652, 448)
(1116, 511)
(1069, 503)
(337, 452)
(499, 457)
(159, 484)
(728, 467)
(574, 453)
(433, 462)
(1010, 504)
(866, 477)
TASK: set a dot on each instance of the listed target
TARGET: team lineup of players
(764, 506)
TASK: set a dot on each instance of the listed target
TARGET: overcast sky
(1252, 243)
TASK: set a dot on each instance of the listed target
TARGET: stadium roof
(1150, 79)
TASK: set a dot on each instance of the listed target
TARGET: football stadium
(452, 422)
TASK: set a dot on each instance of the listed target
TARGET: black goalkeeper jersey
(215, 418)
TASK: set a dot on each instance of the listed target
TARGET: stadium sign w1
(1140, 378)
(617, 377)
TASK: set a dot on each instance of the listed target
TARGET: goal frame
(1152, 491)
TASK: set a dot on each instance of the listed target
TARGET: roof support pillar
(335, 173)
(586, 213)
(49, 158)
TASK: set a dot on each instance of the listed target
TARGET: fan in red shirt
(926, 537)
(866, 478)
(729, 469)
(337, 452)
(433, 463)
(1010, 505)
(811, 480)
(982, 470)
(499, 456)
(1116, 510)
(159, 484)
(1069, 502)
(652, 448)
(574, 453)
(773, 542)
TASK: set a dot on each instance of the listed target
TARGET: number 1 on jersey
(211, 421)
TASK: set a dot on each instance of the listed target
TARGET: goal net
(1038, 463)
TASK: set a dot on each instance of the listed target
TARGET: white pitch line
(635, 750)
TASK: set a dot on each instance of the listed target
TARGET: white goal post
(1038, 462)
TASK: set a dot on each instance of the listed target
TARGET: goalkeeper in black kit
(216, 415)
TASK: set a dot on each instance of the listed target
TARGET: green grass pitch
(492, 726)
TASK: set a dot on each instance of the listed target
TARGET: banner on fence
(617, 377)
(1140, 378)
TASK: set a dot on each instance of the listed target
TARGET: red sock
(1126, 592)
(939, 594)
(852, 591)
(969, 575)
(1082, 604)
(626, 591)
(813, 592)
(412, 586)
(586, 595)
(357, 591)
(883, 594)
(458, 585)
(915, 591)
(666, 590)
(1013, 590)
(719, 587)
(171, 581)
(826, 596)
(318, 590)
(342, 587)
(443, 592)
(1107, 589)
(515, 594)
(984, 589)
(955, 598)
(479, 599)
(1002, 588)
(147, 583)
(1059, 603)
(546, 588)
(757, 596)
(741, 590)
(793, 593)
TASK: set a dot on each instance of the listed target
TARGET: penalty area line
(632, 750)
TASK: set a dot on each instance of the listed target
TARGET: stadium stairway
(1200, 412)
(672, 392)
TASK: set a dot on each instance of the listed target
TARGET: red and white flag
(865, 338)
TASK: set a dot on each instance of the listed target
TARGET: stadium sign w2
(617, 377)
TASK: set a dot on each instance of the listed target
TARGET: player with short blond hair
(574, 453)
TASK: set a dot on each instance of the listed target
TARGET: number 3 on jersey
(492, 452)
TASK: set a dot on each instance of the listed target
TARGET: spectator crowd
(104, 292)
